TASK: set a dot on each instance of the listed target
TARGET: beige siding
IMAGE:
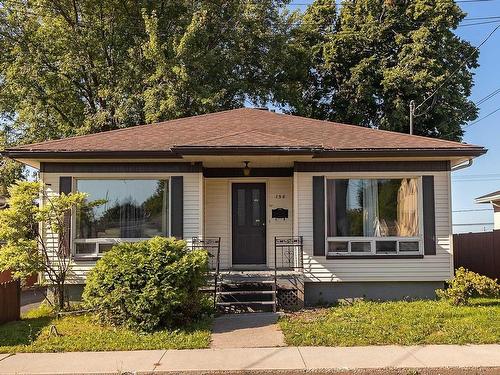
(430, 268)
(210, 199)
(218, 212)
(193, 212)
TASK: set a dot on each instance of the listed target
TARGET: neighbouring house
(329, 210)
(494, 200)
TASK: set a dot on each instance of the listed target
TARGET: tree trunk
(59, 296)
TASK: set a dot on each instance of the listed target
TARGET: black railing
(212, 245)
(288, 253)
(288, 256)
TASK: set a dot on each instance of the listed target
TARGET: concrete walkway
(253, 330)
(433, 359)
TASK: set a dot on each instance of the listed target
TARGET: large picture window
(379, 216)
(134, 210)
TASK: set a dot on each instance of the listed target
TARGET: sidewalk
(285, 360)
(247, 331)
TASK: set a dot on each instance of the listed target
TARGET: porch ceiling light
(246, 169)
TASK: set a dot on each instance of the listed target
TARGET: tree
(73, 67)
(10, 170)
(375, 56)
(26, 250)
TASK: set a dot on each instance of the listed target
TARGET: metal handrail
(210, 243)
(291, 251)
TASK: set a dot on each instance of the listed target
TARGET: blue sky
(484, 175)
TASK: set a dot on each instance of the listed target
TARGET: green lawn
(400, 323)
(82, 333)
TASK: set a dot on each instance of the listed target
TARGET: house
(340, 210)
(494, 200)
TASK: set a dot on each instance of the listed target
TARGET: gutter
(467, 164)
(180, 151)
(31, 154)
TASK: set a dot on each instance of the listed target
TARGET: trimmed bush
(148, 285)
(467, 284)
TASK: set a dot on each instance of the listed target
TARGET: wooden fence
(478, 252)
(10, 301)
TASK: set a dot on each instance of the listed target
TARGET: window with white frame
(134, 210)
(373, 216)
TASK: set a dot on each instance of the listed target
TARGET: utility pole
(412, 113)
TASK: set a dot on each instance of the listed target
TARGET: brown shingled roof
(243, 128)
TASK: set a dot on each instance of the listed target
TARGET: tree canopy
(72, 67)
(366, 63)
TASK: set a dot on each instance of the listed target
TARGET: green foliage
(395, 323)
(70, 68)
(365, 63)
(10, 170)
(25, 251)
(84, 333)
(467, 284)
(148, 285)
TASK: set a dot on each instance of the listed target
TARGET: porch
(255, 288)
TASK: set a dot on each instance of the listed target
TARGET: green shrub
(148, 285)
(467, 284)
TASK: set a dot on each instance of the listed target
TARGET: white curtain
(371, 223)
(407, 224)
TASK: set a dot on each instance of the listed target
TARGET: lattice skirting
(289, 300)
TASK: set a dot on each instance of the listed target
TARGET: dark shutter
(429, 215)
(177, 209)
(66, 186)
(319, 215)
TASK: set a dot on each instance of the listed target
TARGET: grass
(83, 333)
(399, 323)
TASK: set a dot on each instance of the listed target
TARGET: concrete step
(232, 303)
(225, 293)
(242, 281)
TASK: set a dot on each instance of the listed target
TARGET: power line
(479, 180)
(477, 104)
(458, 1)
(478, 23)
(476, 49)
(466, 224)
(482, 118)
(140, 27)
(474, 210)
(479, 175)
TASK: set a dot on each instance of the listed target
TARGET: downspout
(462, 166)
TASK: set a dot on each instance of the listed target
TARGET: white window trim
(373, 240)
(97, 241)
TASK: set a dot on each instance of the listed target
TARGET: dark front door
(249, 223)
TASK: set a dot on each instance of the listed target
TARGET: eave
(181, 151)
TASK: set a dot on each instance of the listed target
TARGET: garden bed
(83, 333)
(399, 323)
